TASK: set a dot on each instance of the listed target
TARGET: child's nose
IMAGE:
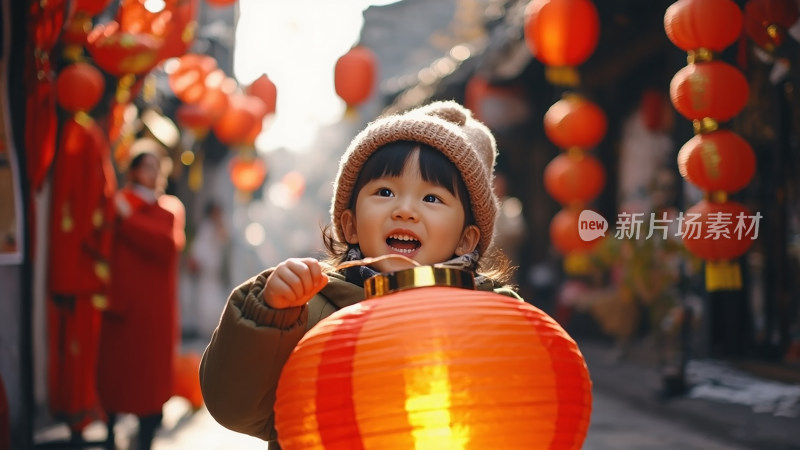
(405, 210)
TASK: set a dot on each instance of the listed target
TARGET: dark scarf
(357, 274)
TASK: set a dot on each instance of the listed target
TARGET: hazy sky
(297, 44)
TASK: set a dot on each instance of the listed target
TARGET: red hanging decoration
(187, 77)
(708, 91)
(264, 89)
(574, 121)
(234, 126)
(247, 172)
(561, 32)
(766, 21)
(717, 161)
(703, 24)
(712, 89)
(46, 22)
(354, 75)
(79, 87)
(721, 231)
(121, 52)
(574, 177)
(564, 232)
(407, 370)
(182, 30)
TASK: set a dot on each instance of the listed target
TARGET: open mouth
(401, 243)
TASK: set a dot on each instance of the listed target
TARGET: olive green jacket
(240, 367)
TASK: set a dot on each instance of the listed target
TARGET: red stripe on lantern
(335, 386)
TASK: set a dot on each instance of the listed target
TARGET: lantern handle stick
(368, 261)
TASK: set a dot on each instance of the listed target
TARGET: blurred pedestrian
(207, 263)
(139, 331)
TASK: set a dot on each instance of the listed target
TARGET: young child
(418, 184)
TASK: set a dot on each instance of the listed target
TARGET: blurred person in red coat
(79, 248)
(140, 326)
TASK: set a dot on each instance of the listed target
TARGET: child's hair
(455, 151)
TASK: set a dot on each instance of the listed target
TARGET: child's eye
(430, 198)
(384, 192)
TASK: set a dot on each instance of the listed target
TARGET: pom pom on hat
(444, 125)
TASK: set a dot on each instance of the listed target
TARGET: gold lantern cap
(416, 277)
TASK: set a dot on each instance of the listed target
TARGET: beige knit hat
(445, 126)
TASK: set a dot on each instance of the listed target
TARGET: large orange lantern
(574, 177)
(79, 87)
(408, 370)
(766, 21)
(354, 75)
(561, 32)
(703, 24)
(717, 161)
(712, 89)
(575, 121)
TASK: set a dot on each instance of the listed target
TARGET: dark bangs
(435, 168)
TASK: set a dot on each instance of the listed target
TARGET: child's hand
(294, 282)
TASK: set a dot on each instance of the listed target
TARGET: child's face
(408, 216)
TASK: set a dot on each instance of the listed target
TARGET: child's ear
(348, 222)
(469, 240)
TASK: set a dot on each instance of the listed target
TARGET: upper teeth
(402, 237)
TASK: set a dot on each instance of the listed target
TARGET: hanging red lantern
(712, 89)
(718, 231)
(703, 24)
(121, 53)
(182, 29)
(235, 124)
(574, 121)
(564, 232)
(247, 172)
(195, 117)
(79, 87)
(717, 161)
(407, 370)
(354, 75)
(766, 21)
(561, 32)
(574, 177)
(264, 89)
(187, 76)
(134, 17)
